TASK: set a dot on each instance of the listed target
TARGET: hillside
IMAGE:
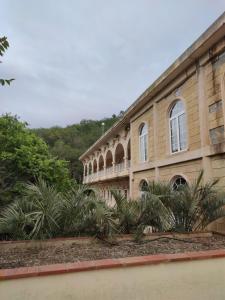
(70, 142)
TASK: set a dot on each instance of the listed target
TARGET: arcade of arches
(109, 168)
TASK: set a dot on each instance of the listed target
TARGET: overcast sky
(89, 59)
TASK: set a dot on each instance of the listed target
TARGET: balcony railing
(101, 173)
(109, 170)
(119, 169)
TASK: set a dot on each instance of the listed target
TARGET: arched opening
(143, 187)
(85, 170)
(90, 168)
(178, 131)
(119, 158)
(109, 160)
(178, 182)
(143, 142)
(128, 151)
(95, 166)
(119, 154)
(128, 154)
(101, 163)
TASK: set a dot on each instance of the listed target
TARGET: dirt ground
(74, 252)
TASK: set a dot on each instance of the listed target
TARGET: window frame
(140, 137)
(176, 118)
(142, 193)
(175, 178)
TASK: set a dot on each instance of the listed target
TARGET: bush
(43, 211)
(190, 208)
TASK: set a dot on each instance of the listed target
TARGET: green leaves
(27, 157)
(6, 81)
(43, 212)
(192, 207)
(4, 45)
(70, 142)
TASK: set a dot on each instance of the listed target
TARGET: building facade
(173, 130)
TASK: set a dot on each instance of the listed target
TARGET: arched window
(90, 168)
(85, 170)
(178, 132)
(143, 142)
(101, 163)
(177, 182)
(95, 166)
(143, 188)
(109, 159)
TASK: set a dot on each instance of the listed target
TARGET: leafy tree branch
(4, 45)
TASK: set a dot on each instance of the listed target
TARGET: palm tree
(72, 210)
(36, 215)
(126, 212)
(192, 207)
(43, 212)
(15, 222)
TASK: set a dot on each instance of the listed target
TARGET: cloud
(89, 59)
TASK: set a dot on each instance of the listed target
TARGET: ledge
(55, 269)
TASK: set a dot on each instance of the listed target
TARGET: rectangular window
(215, 107)
(217, 135)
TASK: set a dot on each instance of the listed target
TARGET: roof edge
(184, 60)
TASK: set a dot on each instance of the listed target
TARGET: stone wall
(203, 94)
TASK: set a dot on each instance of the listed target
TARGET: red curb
(82, 266)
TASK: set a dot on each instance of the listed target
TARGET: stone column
(223, 96)
(155, 140)
(125, 162)
(97, 171)
(113, 166)
(104, 169)
(84, 172)
(204, 123)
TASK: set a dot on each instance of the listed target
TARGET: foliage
(74, 210)
(126, 212)
(25, 157)
(70, 142)
(192, 207)
(4, 45)
(34, 215)
(44, 212)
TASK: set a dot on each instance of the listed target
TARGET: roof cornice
(209, 38)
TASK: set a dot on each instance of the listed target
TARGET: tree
(192, 207)
(4, 45)
(25, 157)
(43, 212)
(70, 142)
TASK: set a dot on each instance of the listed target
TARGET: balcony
(119, 170)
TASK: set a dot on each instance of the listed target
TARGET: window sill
(178, 152)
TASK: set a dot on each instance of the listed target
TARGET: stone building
(173, 130)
